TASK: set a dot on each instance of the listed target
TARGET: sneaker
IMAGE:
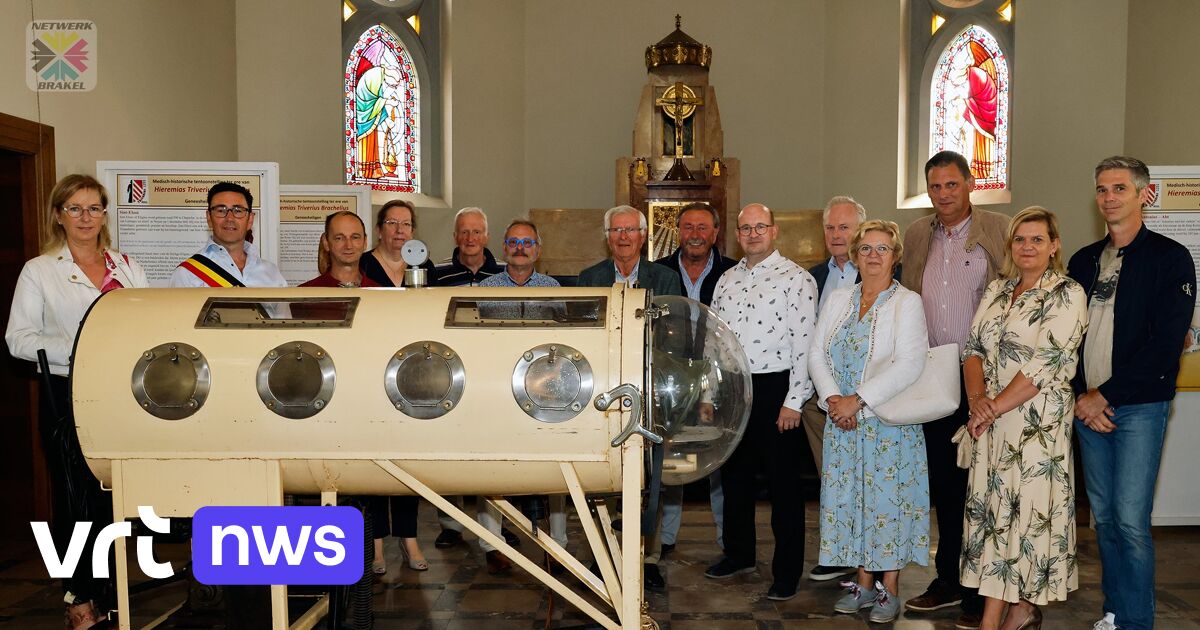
(939, 595)
(822, 573)
(781, 591)
(855, 599)
(1109, 622)
(666, 549)
(887, 607)
(726, 569)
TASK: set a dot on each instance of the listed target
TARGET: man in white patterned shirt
(770, 303)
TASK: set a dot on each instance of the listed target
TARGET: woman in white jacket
(871, 344)
(52, 295)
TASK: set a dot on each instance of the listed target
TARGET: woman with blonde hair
(53, 293)
(871, 344)
(1019, 525)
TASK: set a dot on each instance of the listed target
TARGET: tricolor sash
(210, 272)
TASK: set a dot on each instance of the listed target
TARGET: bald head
(756, 232)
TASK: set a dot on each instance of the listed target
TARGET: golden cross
(675, 108)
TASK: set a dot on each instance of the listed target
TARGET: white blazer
(896, 349)
(51, 297)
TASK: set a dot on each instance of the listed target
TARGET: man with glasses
(228, 260)
(521, 250)
(472, 261)
(625, 231)
(699, 265)
(770, 303)
(950, 257)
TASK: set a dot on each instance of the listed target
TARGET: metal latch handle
(627, 391)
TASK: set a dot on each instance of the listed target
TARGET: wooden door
(26, 178)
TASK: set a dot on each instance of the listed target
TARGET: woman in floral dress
(1019, 530)
(875, 483)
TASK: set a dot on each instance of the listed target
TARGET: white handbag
(935, 394)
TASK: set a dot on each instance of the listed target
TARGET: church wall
(288, 84)
(585, 70)
(861, 108)
(1160, 118)
(165, 86)
(1069, 112)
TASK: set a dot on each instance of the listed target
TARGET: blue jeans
(1121, 469)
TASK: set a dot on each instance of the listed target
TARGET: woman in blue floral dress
(875, 484)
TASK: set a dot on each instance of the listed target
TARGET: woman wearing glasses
(394, 227)
(396, 516)
(53, 293)
(874, 486)
(1019, 527)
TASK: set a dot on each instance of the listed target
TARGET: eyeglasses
(865, 250)
(223, 211)
(396, 225)
(523, 242)
(77, 211)
(760, 228)
(624, 230)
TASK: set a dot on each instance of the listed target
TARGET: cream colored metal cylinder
(486, 444)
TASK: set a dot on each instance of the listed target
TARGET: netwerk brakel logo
(61, 55)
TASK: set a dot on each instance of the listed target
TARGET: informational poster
(302, 212)
(1174, 210)
(159, 214)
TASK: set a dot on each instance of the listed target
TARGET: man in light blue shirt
(228, 260)
(522, 247)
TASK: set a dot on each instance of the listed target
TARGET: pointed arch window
(969, 105)
(382, 114)
(957, 87)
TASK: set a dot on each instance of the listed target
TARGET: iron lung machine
(191, 397)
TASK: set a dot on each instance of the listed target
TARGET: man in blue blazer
(625, 229)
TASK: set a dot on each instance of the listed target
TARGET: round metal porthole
(425, 379)
(552, 382)
(296, 379)
(171, 381)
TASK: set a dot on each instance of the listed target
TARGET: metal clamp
(633, 399)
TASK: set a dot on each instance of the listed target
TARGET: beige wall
(165, 85)
(1161, 125)
(541, 95)
(289, 108)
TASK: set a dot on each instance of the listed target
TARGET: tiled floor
(456, 592)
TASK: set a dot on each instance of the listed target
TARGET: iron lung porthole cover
(171, 380)
(296, 379)
(425, 379)
(552, 382)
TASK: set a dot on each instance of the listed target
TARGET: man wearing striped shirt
(949, 258)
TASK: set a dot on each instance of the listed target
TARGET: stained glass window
(969, 110)
(382, 101)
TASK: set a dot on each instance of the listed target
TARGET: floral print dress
(875, 485)
(1019, 523)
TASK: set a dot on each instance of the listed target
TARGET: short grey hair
(612, 212)
(471, 210)
(1137, 169)
(527, 223)
(843, 199)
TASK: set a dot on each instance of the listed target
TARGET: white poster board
(1174, 211)
(160, 209)
(302, 212)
